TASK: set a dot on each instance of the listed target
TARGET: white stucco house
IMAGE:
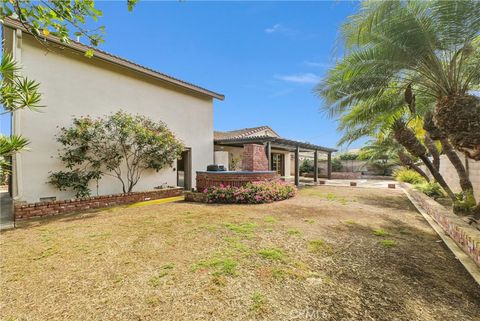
(74, 85)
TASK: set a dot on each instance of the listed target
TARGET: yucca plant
(433, 46)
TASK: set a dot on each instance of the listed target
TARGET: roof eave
(12, 23)
(264, 139)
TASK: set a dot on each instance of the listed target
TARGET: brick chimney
(254, 158)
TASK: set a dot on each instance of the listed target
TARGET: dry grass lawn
(332, 253)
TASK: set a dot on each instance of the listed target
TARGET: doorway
(278, 163)
(184, 170)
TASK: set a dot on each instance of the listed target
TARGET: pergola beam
(329, 163)
(269, 155)
(297, 166)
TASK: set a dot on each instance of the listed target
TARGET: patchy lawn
(332, 253)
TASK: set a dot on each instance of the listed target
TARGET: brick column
(254, 158)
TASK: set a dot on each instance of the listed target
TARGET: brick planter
(466, 236)
(24, 211)
(237, 179)
(197, 197)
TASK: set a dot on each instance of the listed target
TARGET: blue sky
(265, 57)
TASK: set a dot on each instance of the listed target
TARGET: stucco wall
(451, 177)
(73, 85)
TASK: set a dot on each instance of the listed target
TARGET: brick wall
(466, 236)
(23, 211)
(254, 158)
(197, 197)
(208, 179)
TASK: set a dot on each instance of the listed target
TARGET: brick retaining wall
(465, 235)
(24, 211)
(237, 179)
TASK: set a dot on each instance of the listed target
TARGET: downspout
(17, 157)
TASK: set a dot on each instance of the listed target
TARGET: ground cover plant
(251, 193)
(194, 261)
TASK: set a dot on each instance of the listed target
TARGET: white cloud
(275, 28)
(303, 78)
(280, 29)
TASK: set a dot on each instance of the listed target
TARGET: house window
(278, 163)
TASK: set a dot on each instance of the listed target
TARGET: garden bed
(40, 209)
(466, 236)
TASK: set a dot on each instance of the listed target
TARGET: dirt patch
(331, 253)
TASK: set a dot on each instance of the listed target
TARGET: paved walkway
(372, 183)
(6, 211)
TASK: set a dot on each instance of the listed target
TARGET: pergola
(284, 144)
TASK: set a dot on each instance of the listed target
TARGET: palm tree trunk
(406, 137)
(476, 212)
(465, 182)
(438, 177)
(410, 163)
(432, 149)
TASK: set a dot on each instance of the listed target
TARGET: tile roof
(239, 133)
(103, 55)
(279, 141)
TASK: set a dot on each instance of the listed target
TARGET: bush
(431, 189)
(337, 165)
(408, 176)
(251, 193)
(465, 203)
(306, 166)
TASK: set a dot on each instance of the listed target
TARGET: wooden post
(315, 166)
(329, 165)
(269, 155)
(297, 166)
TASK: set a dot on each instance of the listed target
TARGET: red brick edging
(466, 236)
(24, 211)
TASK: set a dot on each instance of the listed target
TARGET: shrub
(251, 193)
(337, 165)
(408, 176)
(431, 189)
(306, 166)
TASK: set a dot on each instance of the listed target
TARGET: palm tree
(16, 92)
(382, 151)
(389, 114)
(433, 46)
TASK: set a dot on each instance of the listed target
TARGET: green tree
(430, 46)
(120, 145)
(306, 166)
(384, 114)
(41, 18)
(381, 152)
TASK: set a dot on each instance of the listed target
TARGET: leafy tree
(41, 18)
(58, 18)
(381, 152)
(337, 164)
(306, 166)
(348, 156)
(427, 47)
(120, 145)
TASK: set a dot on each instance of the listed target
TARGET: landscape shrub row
(251, 193)
(431, 189)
